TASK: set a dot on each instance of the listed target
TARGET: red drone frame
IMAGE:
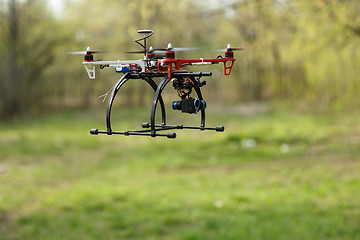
(171, 64)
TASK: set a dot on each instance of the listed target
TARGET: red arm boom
(171, 64)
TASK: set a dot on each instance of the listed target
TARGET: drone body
(160, 63)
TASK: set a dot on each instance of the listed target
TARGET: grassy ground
(275, 175)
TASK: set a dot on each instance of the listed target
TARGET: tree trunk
(12, 78)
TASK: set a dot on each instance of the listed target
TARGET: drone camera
(189, 105)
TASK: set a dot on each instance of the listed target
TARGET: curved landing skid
(153, 128)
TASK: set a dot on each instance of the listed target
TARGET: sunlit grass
(278, 175)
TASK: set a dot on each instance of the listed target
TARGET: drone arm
(91, 70)
(117, 63)
(175, 64)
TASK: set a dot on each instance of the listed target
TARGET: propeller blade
(139, 51)
(177, 49)
(229, 49)
(180, 49)
(160, 50)
(88, 51)
(95, 51)
(81, 52)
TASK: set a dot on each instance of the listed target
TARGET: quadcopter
(160, 63)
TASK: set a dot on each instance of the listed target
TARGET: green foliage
(29, 39)
(296, 180)
(301, 52)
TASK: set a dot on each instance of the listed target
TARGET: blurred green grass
(275, 175)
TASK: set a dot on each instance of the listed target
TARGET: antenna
(149, 32)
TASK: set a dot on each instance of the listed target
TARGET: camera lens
(176, 105)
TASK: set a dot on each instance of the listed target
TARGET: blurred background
(285, 168)
(304, 53)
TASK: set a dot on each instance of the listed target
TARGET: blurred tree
(27, 43)
(327, 46)
(295, 50)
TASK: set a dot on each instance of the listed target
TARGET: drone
(160, 63)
